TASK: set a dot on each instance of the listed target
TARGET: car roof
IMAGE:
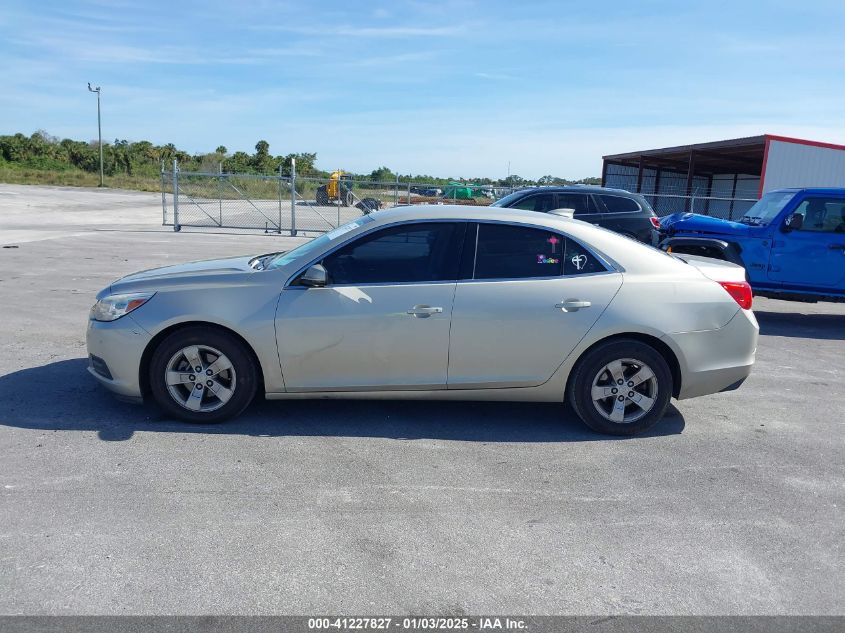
(579, 187)
(822, 190)
(469, 213)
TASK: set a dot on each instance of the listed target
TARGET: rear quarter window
(579, 261)
(619, 204)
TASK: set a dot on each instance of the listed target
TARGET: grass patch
(75, 178)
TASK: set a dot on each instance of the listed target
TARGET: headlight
(115, 306)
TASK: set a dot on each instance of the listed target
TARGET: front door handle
(424, 311)
(573, 305)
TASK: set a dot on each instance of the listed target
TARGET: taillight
(740, 291)
(655, 222)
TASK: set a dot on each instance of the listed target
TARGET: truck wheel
(322, 196)
(348, 199)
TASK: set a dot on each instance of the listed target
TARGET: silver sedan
(433, 302)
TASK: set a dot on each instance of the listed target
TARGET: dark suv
(615, 209)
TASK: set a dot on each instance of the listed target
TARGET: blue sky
(455, 88)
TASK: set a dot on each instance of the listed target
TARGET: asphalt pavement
(733, 504)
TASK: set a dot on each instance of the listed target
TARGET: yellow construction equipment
(338, 189)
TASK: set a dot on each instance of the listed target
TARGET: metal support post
(292, 197)
(280, 198)
(163, 197)
(176, 225)
(690, 175)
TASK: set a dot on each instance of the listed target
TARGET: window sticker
(579, 261)
(545, 259)
(554, 240)
(341, 230)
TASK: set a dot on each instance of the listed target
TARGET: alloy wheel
(200, 378)
(624, 390)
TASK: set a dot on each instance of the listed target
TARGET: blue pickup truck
(791, 243)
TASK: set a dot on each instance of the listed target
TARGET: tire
(598, 369)
(368, 205)
(348, 199)
(322, 196)
(223, 395)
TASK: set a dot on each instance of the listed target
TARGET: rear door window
(516, 252)
(619, 204)
(538, 202)
(582, 203)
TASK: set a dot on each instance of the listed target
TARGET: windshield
(767, 208)
(317, 243)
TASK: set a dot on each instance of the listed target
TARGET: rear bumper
(114, 355)
(716, 360)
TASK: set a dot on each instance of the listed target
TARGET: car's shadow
(829, 327)
(63, 396)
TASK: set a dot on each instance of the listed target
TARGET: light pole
(99, 129)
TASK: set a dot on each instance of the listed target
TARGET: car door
(814, 255)
(530, 296)
(382, 321)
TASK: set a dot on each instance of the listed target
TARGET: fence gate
(275, 204)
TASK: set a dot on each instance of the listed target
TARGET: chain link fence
(726, 208)
(290, 203)
(287, 203)
(726, 196)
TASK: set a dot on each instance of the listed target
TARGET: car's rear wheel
(621, 387)
(202, 374)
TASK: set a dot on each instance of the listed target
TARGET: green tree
(382, 174)
(261, 160)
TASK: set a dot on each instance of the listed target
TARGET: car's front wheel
(202, 374)
(621, 387)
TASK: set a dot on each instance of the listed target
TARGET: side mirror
(794, 222)
(315, 277)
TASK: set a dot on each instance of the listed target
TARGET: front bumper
(714, 360)
(115, 349)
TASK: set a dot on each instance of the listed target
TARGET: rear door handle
(573, 305)
(424, 311)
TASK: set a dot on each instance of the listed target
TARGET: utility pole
(99, 129)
